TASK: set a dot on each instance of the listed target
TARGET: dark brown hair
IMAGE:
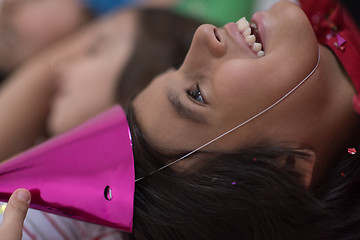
(232, 196)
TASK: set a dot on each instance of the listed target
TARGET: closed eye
(195, 94)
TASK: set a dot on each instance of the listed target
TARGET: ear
(306, 166)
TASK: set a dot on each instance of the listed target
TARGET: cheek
(242, 91)
(237, 86)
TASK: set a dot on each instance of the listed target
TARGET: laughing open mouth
(250, 32)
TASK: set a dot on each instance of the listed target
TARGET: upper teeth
(244, 28)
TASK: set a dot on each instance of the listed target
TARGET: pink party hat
(86, 173)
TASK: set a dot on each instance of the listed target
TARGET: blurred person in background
(78, 78)
(28, 26)
(101, 65)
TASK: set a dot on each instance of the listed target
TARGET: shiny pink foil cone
(86, 174)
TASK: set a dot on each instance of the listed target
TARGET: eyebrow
(184, 111)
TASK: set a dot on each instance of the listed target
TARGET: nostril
(217, 35)
(207, 37)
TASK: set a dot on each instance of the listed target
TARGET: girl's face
(87, 79)
(222, 83)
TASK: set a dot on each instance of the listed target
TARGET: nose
(207, 39)
(205, 49)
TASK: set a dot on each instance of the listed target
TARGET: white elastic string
(238, 126)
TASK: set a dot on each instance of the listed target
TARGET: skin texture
(28, 26)
(235, 85)
(21, 99)
(14, 215)
(85, 81)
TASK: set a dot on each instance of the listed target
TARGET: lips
(246, 34)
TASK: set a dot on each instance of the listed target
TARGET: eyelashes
(195, 94)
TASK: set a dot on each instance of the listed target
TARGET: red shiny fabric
(333, 25)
